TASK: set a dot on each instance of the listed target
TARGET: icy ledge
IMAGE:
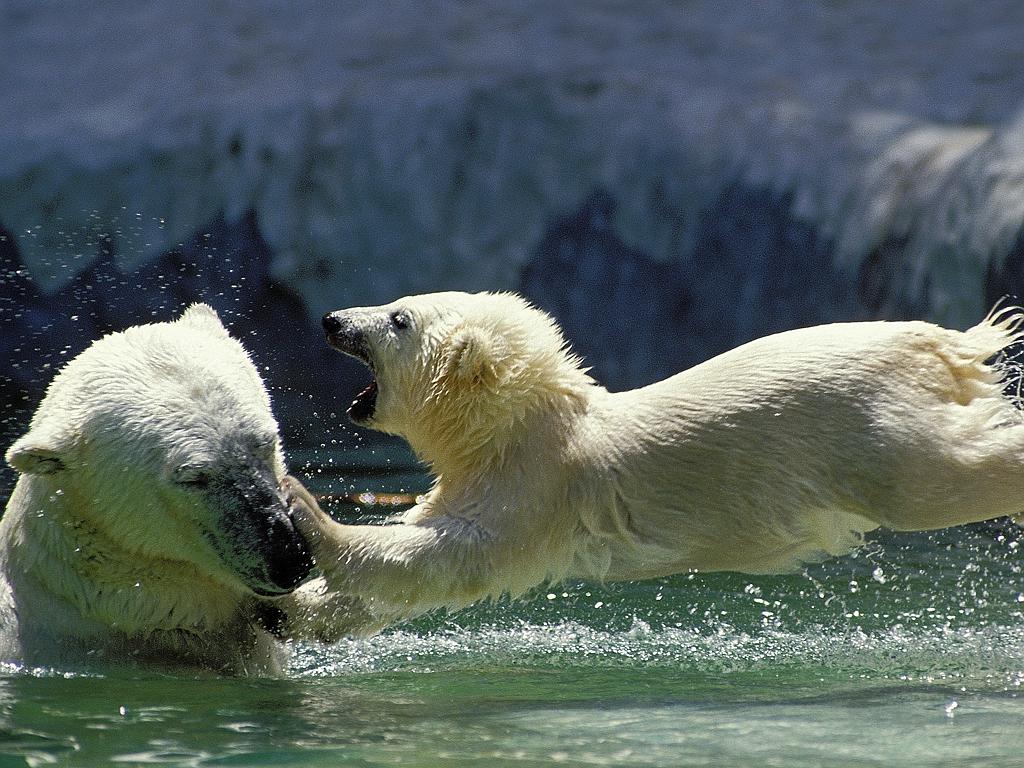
(402, 147)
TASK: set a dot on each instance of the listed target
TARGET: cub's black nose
(331, 323)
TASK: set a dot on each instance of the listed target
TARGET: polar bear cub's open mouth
(345, 336)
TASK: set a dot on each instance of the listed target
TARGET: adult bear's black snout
(290, 560)
(254, 534)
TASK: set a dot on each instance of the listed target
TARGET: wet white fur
(101, 556)
(779, 452)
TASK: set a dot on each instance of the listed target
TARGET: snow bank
(390, 148)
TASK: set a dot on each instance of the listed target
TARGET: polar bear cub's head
(161, 441)
(454, 369)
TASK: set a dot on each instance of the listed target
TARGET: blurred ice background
(669, 179)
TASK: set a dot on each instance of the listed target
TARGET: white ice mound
(434, 145)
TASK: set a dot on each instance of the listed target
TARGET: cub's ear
(38, 454)
(474, 357)
(203, 317)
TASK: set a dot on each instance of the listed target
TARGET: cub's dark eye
(400, 320)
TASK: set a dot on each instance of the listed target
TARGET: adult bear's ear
(39, 453)
(474, 357)
(203, 317)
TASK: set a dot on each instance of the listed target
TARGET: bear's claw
(305, 511)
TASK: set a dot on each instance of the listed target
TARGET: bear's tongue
(362, 407)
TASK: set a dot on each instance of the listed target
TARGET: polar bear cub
(147, 522)
(782, 451)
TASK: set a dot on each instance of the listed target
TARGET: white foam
(907, 653)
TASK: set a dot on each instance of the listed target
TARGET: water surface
(909, 654)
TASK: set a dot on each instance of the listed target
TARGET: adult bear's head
(162, 442)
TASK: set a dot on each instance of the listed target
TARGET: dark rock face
(1005, 279)
(1005, 283)
(755, 270)
(622, 311)
(759, 270)
(38, 336)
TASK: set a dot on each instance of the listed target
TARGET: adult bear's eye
(400, 320)
(192, 477)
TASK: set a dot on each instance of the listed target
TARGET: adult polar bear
(147, 523)
(776, 453)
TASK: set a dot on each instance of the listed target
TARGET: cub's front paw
(295, 493)
(322, 533)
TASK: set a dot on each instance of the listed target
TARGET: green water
(910, 654)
